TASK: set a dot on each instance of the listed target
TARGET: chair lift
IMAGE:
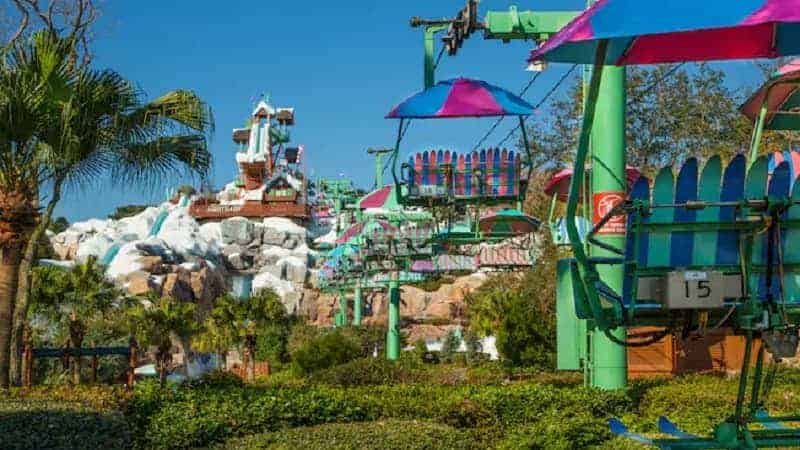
(458, 187)
(707, 247)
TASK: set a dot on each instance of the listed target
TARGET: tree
(73, 299)
(519, 309)
(73, 19)
(672, 113)
(97, 124)
(59, 225)
(32, 81)
(156, 322)
(236, 323)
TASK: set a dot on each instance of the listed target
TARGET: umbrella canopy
(559, 183)
(652, 32)
(383, 198)
(508, 221)
(461, 97)
(783, 104)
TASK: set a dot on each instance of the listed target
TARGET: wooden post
(131, 363)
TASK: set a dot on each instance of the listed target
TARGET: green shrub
(388, 435)
(65, 418)
(559, 432)
(327, 350)
(370, 371)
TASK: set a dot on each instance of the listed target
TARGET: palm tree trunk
(9, 272)
(24, 283)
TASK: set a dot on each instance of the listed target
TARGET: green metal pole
(430, 64)
(609, 365)
(393, 333)
(357, 304)
(378, 170)
(342, 308)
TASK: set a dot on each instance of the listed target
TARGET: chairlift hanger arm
(503, 25)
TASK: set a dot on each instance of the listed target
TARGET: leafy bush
(559, 431)
(199, 415)
(370, 371)
(390, 434)
(325, 351)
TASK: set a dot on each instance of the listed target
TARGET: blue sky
(342, 65)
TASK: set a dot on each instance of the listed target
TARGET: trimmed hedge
(62, 418)
(201, 415)
(380, 435)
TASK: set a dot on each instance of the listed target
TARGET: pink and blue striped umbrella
(461, 97)
(666, 31)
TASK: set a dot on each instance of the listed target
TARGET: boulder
(236, 230)
(139, 283)
(154, 246)
(269, 255)
(283, 232)
(211, 231)
(178, 286)
(236, 257)
(206, 286)
(294, 269)
(273, 237)
(152, 264)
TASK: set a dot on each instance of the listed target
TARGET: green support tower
(609, 365)
(393, 333)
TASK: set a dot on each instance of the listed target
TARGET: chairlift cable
(500, 119)
(540, 103)
(657, 82)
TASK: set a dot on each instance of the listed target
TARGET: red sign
(602, 204)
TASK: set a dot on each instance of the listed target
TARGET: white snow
(139, 224)
(285, 225)
(96, 246)
(211, 231)
(268, 280)
(126, 262)
(90, 226)
(181, 233)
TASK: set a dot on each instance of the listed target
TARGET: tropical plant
(156, 322)
(72, 126)
(73, 300)
(240, 323)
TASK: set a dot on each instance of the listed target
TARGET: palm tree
(156, 324)
(237, 323)
(33, 80)
(75, 298)
(98, 125)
